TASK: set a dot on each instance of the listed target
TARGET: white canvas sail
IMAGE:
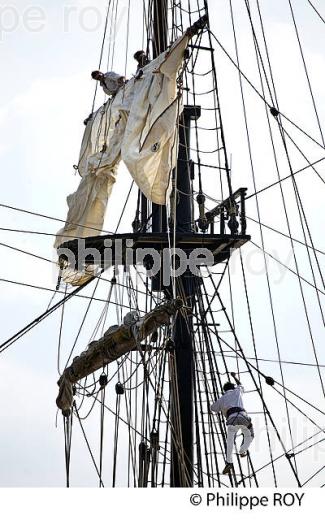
(137, 125)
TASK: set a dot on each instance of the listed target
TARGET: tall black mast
(182, 397)
(182, 456)
(159, 45)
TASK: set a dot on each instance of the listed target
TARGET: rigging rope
(147, 408)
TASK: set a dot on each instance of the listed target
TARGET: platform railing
(231, 213)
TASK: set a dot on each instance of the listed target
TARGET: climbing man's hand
(233, 374)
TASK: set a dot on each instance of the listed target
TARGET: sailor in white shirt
(231, 406)
(111, 82)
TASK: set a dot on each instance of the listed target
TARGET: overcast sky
(47, 54)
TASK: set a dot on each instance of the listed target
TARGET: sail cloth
(137, 125)
(115, 342)
(100, 155)
(150, 143)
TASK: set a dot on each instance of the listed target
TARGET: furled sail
(115, 342)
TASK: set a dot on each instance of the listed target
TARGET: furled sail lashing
(117, 341)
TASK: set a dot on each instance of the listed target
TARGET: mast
(159, 45)
(182, 463)
(182, 397)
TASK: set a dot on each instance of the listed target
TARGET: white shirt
(112, 83)
(230, 399)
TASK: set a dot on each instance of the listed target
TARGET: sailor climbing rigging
(231, 406)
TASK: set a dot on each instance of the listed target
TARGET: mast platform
(129, 248)
(134, 248)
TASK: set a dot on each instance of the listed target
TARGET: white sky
(46, 92)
